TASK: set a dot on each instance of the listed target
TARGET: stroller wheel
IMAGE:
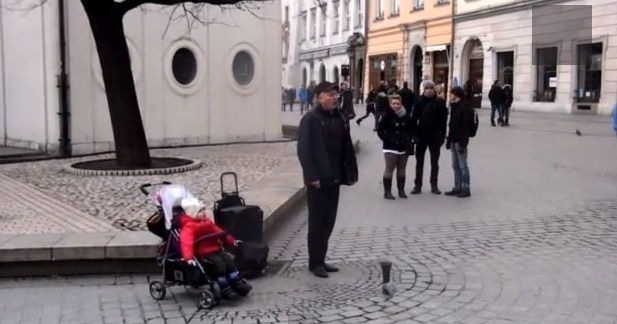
(206, 299)
(157, 290)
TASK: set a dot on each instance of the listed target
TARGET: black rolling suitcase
(244, 222)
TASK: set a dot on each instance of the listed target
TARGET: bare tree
(105, 17)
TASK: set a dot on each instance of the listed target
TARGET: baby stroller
(176, 272)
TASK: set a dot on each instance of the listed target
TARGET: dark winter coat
(429, 119)
(325, 149)
(381, 102)
(395, 132)
(461, 123)
(508, 96)
(408, 98)
(497, 96)
(347, 104)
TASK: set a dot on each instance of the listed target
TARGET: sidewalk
(48, 215)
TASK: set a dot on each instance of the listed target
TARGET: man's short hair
(324, 87)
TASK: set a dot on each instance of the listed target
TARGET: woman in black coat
(395, 131)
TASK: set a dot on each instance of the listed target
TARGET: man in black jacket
(461, 123)
(429, 122)
(407, 96)
(498, 100)
(328, 161)
(347, 101)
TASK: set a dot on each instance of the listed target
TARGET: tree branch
(127, 5)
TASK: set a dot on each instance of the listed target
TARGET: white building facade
(566, 69)
(325, 39)
(209, 84)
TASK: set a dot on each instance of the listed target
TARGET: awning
(436, 48)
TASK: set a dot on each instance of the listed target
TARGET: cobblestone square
(536, 243)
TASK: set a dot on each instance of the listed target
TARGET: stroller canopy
(171, 196)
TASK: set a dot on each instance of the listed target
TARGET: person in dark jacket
(407, 96)
(498, 99)
(328, 161)
(381, 102)
(429, 121)
(310, 95)
(461, 122)
(370, 108)
(347, 101)
(395, 131)
(507, 90)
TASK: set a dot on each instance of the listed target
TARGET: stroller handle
(144, 190)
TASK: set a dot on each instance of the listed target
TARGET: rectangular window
(359, 16)
(418, 4)
(394, 7)
(546, 69)
(322, 22)
(335, 16)
(286, 13)
(303, 23)
(589, 76)
(346, 15)
(379, 9)
(313, 22)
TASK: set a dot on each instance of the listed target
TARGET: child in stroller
(192, 252)
(194, 222)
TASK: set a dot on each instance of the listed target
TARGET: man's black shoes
(330, 268)
(320, 272)
(453, 192)
(416, 190)
(464, 193)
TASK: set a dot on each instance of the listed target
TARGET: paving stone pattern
(116, 201)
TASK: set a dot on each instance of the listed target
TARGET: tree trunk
(129, 135)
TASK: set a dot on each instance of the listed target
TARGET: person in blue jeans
(461, 123)
(498, 99)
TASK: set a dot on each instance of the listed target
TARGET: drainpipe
(454, 2)
(63, 86)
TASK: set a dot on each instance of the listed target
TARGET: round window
(184, 66)
(243, 68)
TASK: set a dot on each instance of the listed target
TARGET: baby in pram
(194, 223)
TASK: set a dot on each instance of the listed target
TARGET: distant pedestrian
(461, 123)
(370, 108)
(395, 132)
(303, 97)
(507, 90)
(283, 98)
(381, 101)
(328, 161)
(407, 96)
(429, 120)
(347, 102)
(310, 95)
(498, 99)
(440, 90)
(291, 98)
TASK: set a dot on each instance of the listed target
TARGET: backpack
(476, 123)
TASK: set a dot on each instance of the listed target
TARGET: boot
(453, 192)
(387, 189)
(416, 190)
(465, 192)
(400, 183)
(226, 290)
(241, 287)
(435, 190)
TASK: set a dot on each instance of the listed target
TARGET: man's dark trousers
(322, 207)
(434, 148)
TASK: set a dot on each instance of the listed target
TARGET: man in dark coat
(407, 96)
(498, 100)
(507, 90)
(461, 123)
(429, 121)
(381, 101)
(328, 161)
(347, 102)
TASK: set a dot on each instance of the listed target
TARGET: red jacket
(193, 229)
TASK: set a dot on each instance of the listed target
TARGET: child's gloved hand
(192, 262)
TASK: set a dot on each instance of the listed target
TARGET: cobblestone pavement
(536, 243)
(106, 203)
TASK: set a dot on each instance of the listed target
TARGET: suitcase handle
(235, 176)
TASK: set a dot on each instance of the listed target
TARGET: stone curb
(196, 164)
